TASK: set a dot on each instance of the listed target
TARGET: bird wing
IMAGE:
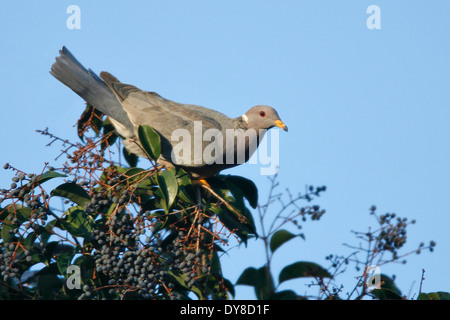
(166, 116)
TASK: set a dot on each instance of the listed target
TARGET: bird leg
(198, 183)
(199, 197)
(204, 184)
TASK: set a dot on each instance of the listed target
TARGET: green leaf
(87, 266)
(249, 277)
(21, 213)
(261, 279)
(108, 129)
(386, 294)
(6, 236)
(46, 232)
(185, 189)
(73, 192)
(284, 295)
(240, 227)
(239, 219)
(280, 237)
(93, 115)
(150, 141)
(97, 122)
(3, 213)
(48, 175)
(247, 188)
(230, 288)
(64, 261)
(29, 240)
(428, 296)
(134, 174)
(48, 283)
(388, 289)
(77, 222)
(302, 269)
(82, 122)
(179, 278)
(169, 187)
(443, 295)
(131, 158)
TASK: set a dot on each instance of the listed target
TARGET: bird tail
(88, 86)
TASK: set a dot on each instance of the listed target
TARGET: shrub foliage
(109, 230)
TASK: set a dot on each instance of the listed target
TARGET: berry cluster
(24, 191)
(8, 265)
(21, 224)
(132, 262)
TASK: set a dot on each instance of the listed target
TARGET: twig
(421, 281)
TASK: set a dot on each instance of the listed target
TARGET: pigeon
(200, 140)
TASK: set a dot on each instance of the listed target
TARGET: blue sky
(367, 110)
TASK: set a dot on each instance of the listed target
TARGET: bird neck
(240, 123)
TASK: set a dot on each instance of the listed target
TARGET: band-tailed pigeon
(129, 107)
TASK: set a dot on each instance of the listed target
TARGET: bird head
(263, 117)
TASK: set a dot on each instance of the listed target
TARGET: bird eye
(262, 114)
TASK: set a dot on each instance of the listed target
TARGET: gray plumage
(128, 107)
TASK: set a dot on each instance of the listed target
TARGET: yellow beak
(281, 125)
